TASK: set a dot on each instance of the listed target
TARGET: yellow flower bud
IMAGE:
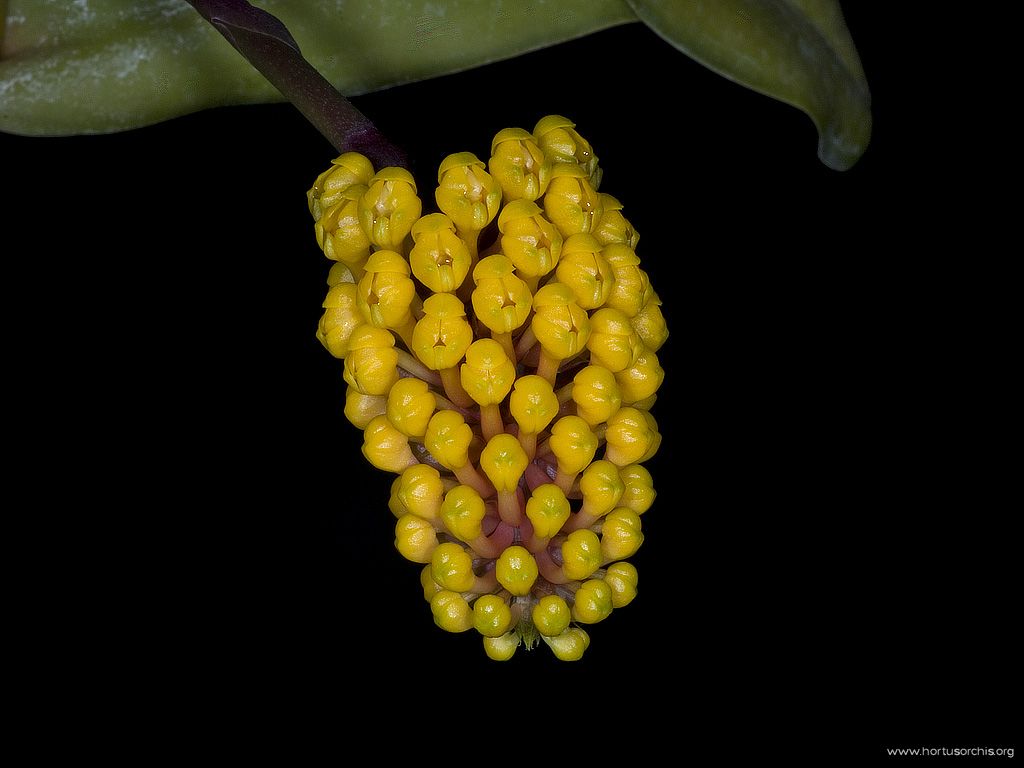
(593, 602)
(452, 567)
(532, 242)
(341, 317)
(501, 648)
(447, 438)
(650, 325)
(487, 374)
(573, 443)
(613, 343)
(501, 300)
(339, 273)
(570, 645)
(451, 611)
(439, 257)
(503, 460)
(561, 143)
(389, 207)
(518, 165)
(642, 379)
(415, 538)
(562, 327)
(585, 271)
(602, 487)
(571, 203)
(620, 534)
(442, 335)
(516, 570)
(386, 291)
(430, 587)
(596, 394)
(533, 403)
(632, 287)
(467, 192)
(419, 491)
(639, 494)
(347, 170)
(371, 365)
(491, 616)
(548, 509)
(621, 578)
(613, 227)
(551, 615)
(339, 231)
(632, 437)
(581, 554)
(361, 409)
(385, 447)
(463, 512)
(410, 405)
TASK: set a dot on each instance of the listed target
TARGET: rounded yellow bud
(491, 616)
(341, 317)
(339, 231)
(447, 438)
(361, 409)
(641, 380)
(632, 437)
(452, 567)
(501, 648)
(632, 287)
(561, 326)
(532, 242)
(613, 227)
(581, 554)
(571, 203)
(339, 273)
(389, 207)
(650, 325)
(386, 291)
(518, 165)
(430, 587)
(463, 512)
(439, 258)
(442, 336)
(451, 611)
(593, 602)
(596, 394)
(613, 343)
(548, 509)
(621, 578)
(516, 570)
(562, 144)
(385, 447)
(585, 271)
(415, 538)
(503, 460)
(371, 365)
(551, 615)
(570, 645)
(347, 170)
(533, 403)
(467, 192)
(639, 494)
(620, 534)
(488, 374)
(573, 443)
(602, 487)
(410, 405)
(501, 300)
(419, 490)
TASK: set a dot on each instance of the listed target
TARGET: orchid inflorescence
(500, 356)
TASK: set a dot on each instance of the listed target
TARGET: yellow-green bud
(419, 490)
(341, 317)
(585, 271)
(467, 192)
(386, 291)
(570, 645)
(488, 374)
(613, 227)
(361, 409)
(621, 578)
(415, 538)
(339, 231)
(385, 447)
(389, 207)
(602, 487)
(410, 405)
(581, 554)
(533, 403)
(491, 616)
(632, 288)
(573, 443)
(548, 509)
(503, 460)
(442, 335)
(371, 365)
(463, 512)
(347, 170)
(430, 587)
(596, 394)
(447, 438)
(339, 273)
(551, 615)
(561, 326)
(620, 534)
(501, 300)
(452, 567)
(639, 494)
(451, 611)
(632, 437)
(593, 602)
(571, 203)
(516, 570)
(613, 343)
(562, 144)
(650, 325)
(532, 242)
(501, 648)
(641, 380)
(518, 164)
(439, 257)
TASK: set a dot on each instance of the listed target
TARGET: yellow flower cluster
(500, 356)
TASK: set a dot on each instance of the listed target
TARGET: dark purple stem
(268, 45)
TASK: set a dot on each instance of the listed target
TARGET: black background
(827, 563)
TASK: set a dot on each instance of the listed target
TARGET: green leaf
(797, 51)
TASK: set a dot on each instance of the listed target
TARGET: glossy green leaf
(797, 51)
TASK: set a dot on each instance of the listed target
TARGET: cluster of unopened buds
(500, 356)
